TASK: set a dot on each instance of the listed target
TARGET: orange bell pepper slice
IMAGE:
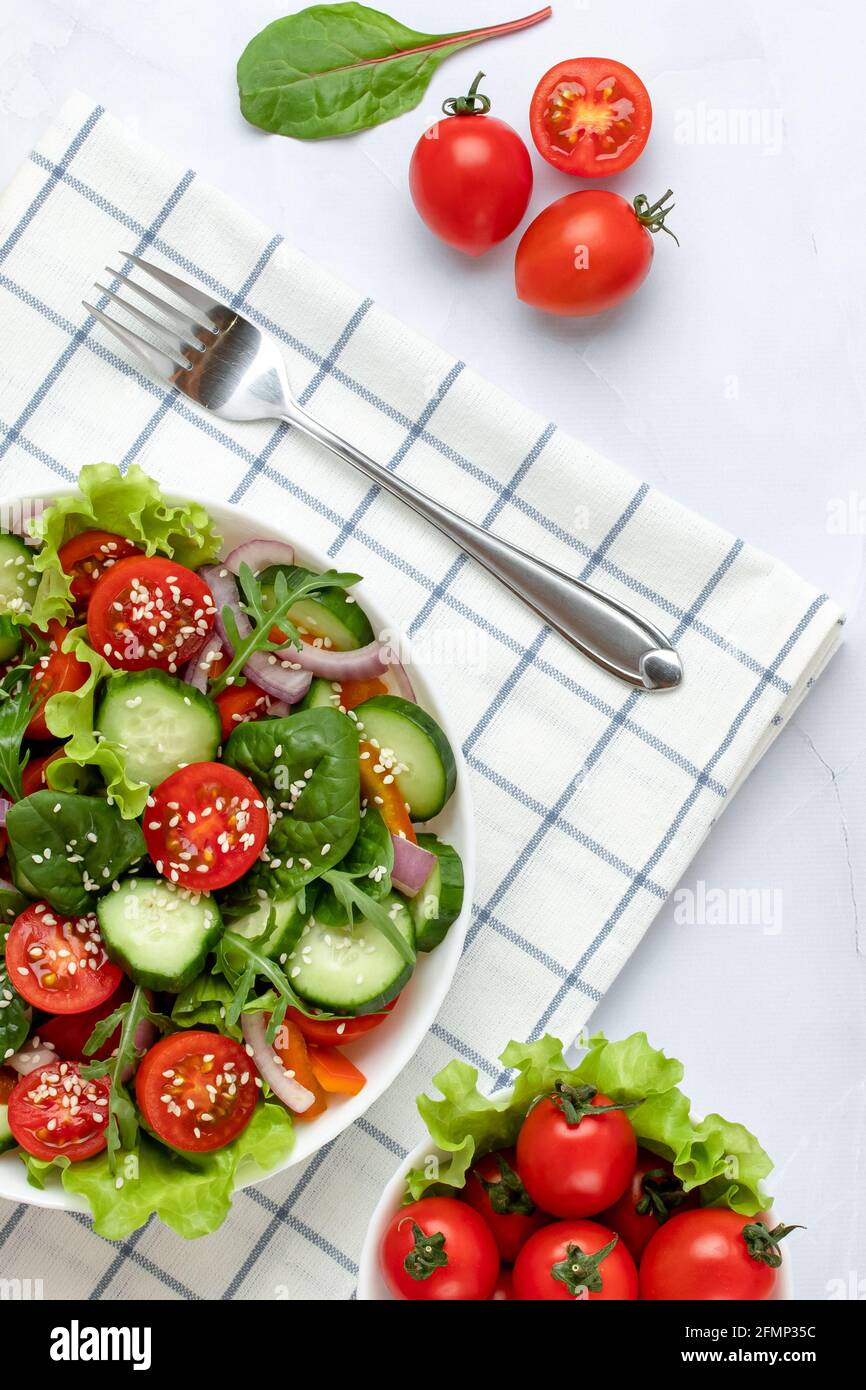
(354, 693)
(335, 1073)
(385, 795)
(291, 1048)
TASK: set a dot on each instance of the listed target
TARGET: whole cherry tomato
(471, 175)
(439, 1249)
(494, 1189)
(587, 252)
(576, 1151)
(712, 1253)
(575, 1260)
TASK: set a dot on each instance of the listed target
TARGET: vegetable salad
(213, 780)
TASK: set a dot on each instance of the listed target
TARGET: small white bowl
(371, 1285)
(384, 1052)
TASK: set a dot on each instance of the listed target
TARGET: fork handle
(607, 631)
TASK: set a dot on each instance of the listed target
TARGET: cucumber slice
(159, 933)
(160, 722)
(18, 583)
(417, 745)
(10, 639)
(332, 615)
(7, 1138)
(286, 919)
(321, 694)
(351, 970)
(440, 900)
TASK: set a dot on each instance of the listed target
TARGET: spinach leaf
(14, 1013)
(369, 861)
(68, 848)
(16, 711)
(121, 1132)
(307, 767)
(335, 69)
(264, 616)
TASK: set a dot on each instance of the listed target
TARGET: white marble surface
(735, 382)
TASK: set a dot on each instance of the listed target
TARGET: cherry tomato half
(241, 704)
(147, 612)
(587, 252)
(54, 1111)
(575, 1161)
(494, 1189)
(471, 176)
(58, 963)
(33, 777)
(205, 826)
(212, 1072)
(577, 1260)
(439, 1249)
(712, 1253)
(590, 116)
(86, 557)
(54, 672)
(68, 1033)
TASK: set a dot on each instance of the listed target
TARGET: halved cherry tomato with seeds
(85, 559)
(383, 794)
(337, 1032)
(67, 1033)
(33, 777)
(334, 1072)
(197, 1090)
(59, 963)
(590, 116)
(147, 612)
(54, 672)
(240, 704)
(205, 826)
(291, 1048)
(54, 1111)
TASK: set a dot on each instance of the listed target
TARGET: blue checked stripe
(183, 263)
(619, 719)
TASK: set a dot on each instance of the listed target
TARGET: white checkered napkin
(591, 798)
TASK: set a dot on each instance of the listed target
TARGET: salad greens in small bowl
(587, 1178)
(238, 853)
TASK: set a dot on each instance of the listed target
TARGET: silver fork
(224, 363)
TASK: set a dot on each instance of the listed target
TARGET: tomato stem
(652, 216)
(763, 1244)
(427, 1253)
(474, 103)
(507, 1196)
(662, 1194)
(579, 1271)
(576, 1102)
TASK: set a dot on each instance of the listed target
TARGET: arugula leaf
(286, 593)
(129, 504)
(307, 767)
(70, 715)
(334, 69)
(243, 982)
(121, 1131)
(370, 860)
(67, 848)
(16, 711)
(204, 1004)
(351, 897)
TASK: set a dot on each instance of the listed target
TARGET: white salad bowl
(384, 1052)
(372, 1287)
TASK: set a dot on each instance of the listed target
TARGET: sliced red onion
(259, 555)
(412, 865)
(270, 1068)
(398, 675)
(145, 1037)
(278, 709)
(195, 671)
(10, 887)
(4, 807)
(31, 1057)
(265, 668)
(356, 665)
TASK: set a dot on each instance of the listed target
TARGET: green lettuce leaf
(189, 1192)
(70, 715)
(130, 505)
(724, 1160)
